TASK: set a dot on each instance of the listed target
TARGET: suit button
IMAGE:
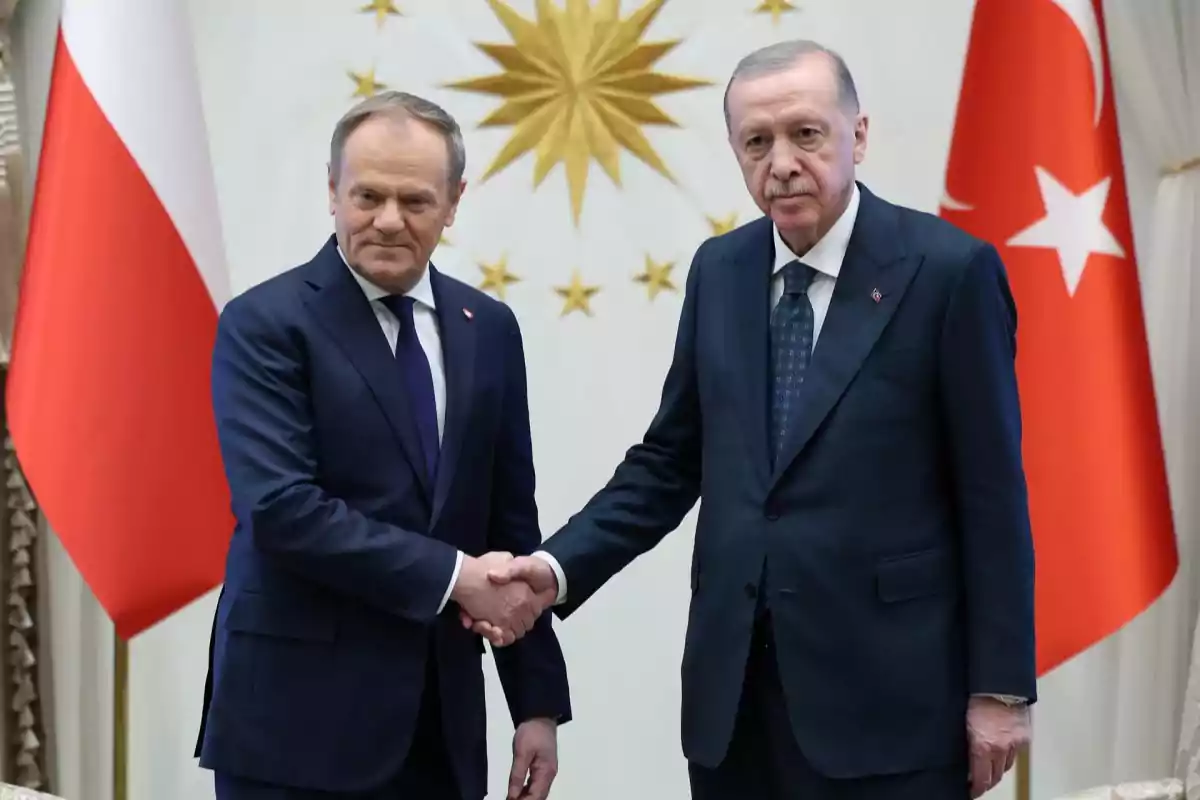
(751, 591)
(771, 514)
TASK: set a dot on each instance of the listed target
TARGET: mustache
(792, 188)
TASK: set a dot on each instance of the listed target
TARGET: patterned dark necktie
(791, 349)
(417, 378)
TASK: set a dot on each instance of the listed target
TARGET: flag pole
(120, 718)
(1023, 776)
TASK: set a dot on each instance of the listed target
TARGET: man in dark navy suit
(843, 403)
(375, 430)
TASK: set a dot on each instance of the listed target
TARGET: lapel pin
(876, 295)
(467, 313)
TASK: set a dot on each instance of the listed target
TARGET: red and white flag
(1036, 169)
(108, 393)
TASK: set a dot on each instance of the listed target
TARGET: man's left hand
(995, 732)
(535, 760)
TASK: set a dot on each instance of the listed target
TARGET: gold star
(381, 9)
(722, 225)
(443, 240)
(577, 85)
(657, 277)
(496, 277)
(776, 8)
(365, 84)
(576, 295)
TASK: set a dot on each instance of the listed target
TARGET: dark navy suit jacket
(895, 527)
(344, 550)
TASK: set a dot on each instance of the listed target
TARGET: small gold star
(776, 8)
(722, 225)
(496, 277)
(576, 295)
(381, 9)
(445, 241)
(657, 277)
(365, 84)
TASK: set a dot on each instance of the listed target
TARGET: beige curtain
(23, 742)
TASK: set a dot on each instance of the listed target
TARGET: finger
(524, 568)
(520, 768)
(981, 773)
(466, 620)
(500, 577)
(1010, 759)
(541, 776)
(489, 632)
(999, 758)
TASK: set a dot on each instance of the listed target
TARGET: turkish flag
(108, 397)
(1036, 169)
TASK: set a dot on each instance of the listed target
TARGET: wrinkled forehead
(807, 91)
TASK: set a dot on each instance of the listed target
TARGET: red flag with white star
(1035, 168)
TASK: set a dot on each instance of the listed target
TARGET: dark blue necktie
(417, 378)
(791, 348)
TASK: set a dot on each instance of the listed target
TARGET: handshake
(500, 597)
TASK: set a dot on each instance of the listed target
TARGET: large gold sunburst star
(578, 84)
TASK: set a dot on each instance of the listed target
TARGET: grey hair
(783, 55)
(405, 105)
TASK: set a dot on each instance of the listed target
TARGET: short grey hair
(405, 105)
(782, 56)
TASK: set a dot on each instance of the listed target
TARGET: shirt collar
(422, 292)
(827, 254)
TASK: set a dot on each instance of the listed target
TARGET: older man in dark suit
(843, 402)
(374, 424)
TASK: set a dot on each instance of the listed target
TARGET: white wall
(274, 81)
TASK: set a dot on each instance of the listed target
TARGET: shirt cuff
(559, 575)
(1007, 699)
(453, 580)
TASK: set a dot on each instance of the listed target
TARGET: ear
(332, 187)
(860, 138)
(454, 199)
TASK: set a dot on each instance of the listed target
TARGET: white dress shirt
(826, 258)
(425, 321)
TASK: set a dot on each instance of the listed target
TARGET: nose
(389, 219)
(784, 164)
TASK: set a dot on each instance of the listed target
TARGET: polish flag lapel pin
(468, 313)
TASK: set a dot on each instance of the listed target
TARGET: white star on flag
(1073, 226)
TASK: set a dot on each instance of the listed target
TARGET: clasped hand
(501, 597)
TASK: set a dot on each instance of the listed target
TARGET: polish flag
(108, 391)
(1036, 169)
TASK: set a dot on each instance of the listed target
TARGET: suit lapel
(458, 349)
(344, 311)
(874, 275)
(748, 285)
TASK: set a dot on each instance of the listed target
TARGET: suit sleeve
(532, 670)
(652, 489)
(983, 418)
(265, 426)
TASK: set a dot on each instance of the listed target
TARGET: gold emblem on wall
(496, 277)
(365, 84)
(577, 296)
(382, 9)
(776, 8)
(656, 277)
(722, 225)
(578, 85)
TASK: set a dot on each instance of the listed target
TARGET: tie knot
(398, 304)
(797, 277)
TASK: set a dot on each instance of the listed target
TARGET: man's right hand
(534, 574)
(502, 610)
